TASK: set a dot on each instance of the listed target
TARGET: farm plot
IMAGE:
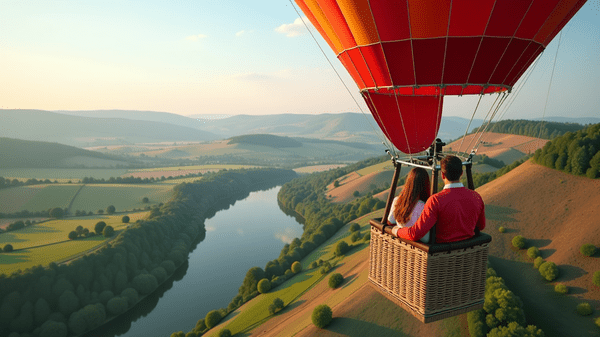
(177, 171)
(48, 242)
(36, 197)
(122, 196)
(60, 174)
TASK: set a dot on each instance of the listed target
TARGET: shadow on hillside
(569, 273)
(499, 213)
(353, 327)
(12, 258)
(291, 306)
(577, 290)
(539, 242)
(348, 280)
(546, 253)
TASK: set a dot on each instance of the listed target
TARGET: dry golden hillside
(501, 146)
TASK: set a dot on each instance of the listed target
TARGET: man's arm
(426, 221)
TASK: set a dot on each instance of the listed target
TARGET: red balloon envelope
(405, 55)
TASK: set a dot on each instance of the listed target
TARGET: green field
(67, 173)
(122, 196)
(53, 234)
(180, 180)
(36, 197)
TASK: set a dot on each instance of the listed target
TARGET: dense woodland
(480, 179)
(69, 299)
(575, 152)
(537, 129)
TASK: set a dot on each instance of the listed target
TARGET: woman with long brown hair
(407, 206)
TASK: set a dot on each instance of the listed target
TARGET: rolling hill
(88, 131)
(16, 153)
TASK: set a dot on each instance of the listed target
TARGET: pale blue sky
(228, 57)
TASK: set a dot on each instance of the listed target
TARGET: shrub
(335, 280)
(99, 227)
(367, 237)
(263, 286)
(354, 227)
(518, 242)
(341, 248)
(224, 333)
(356, 193)
(125, 219)
(8, 248)
(276, 306)
(73, 235)
(355, 237)
(561, 288)
(325, 268)
(145, 200)
(313, 265)
(296, 267)
(501, 229)
(598, 322)
(549, 270)
(533, 252)
(108, 231)
(584, 309)
(595, 279)
(322, 316)
(587, 250)
(212, 318)
(537, 262)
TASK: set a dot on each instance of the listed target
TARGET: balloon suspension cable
(502, 100)
(384, 140)
(471, 120)
(550, 84)
(480, 128)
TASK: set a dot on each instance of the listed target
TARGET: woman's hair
(416, 188)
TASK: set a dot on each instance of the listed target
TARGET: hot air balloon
(405, 56)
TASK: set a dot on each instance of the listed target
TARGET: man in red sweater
(456, 210)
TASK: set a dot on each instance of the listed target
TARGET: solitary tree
(99, 227)
(145, 200)
(125, 219)
(322, 316)
(8, 248)
(335, 280)
(110, 209)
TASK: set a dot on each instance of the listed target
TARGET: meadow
(37, 197)
(48, 241)
(60, 173)
(122, 196)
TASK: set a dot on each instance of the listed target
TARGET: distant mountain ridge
(80, 131)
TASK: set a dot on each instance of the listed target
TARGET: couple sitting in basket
(456, 210)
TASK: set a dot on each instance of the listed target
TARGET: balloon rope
(502, 100)
(550, 84)
(338, 75)
(469, 125)
(479, 129)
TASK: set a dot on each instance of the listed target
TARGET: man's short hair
(452, 167)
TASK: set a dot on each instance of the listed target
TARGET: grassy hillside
(557, 213)
(265, 140)
(88, 131)
(123, 197)
(37, 197)
(16, 153)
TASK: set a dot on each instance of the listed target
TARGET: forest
(576, 153)
(69, 299)
(537, 129)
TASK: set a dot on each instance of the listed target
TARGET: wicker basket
(432, 282)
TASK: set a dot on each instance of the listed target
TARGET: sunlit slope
(500, 146)
(557, 213)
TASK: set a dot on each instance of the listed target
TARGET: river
(249, 233)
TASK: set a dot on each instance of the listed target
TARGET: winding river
(249, 233)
